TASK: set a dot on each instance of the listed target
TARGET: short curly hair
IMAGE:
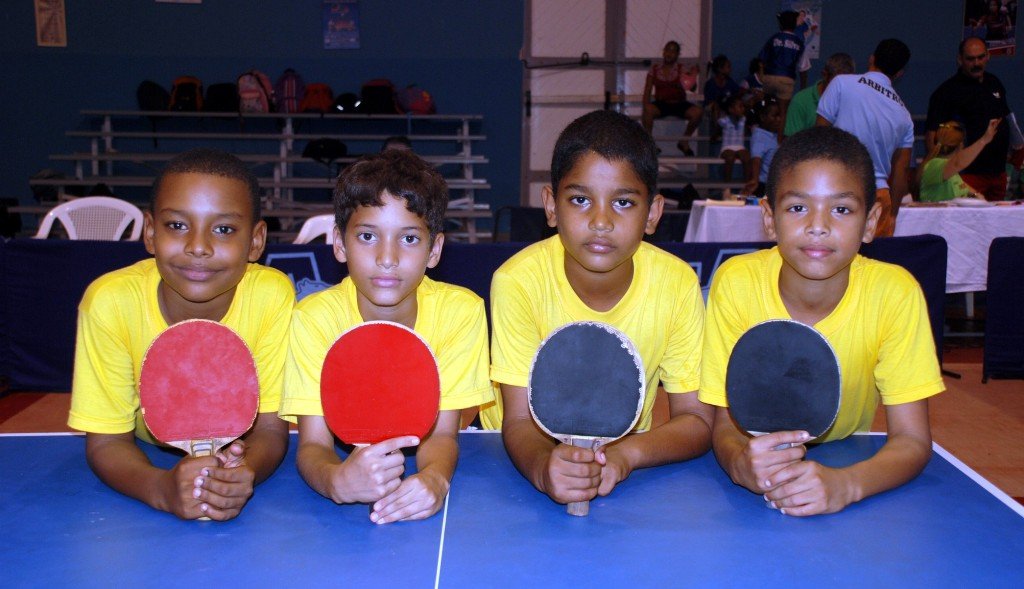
(400, 173)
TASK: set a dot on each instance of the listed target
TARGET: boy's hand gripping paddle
(586, 387)
(379, 381)
(198, 387)
(783, 376)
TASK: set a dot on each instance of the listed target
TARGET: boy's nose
(601, 220)
(198, 245)
(387, 256)
(818, 223)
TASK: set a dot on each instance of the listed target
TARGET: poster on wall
(995, 21)
(808, 24)
(51, 27)
(341, 24)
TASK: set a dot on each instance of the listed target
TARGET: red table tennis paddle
(586, 387)
(783, 376)
(198, 387)
(379, 381)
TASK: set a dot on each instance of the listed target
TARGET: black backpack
(221, 98)
(377, 96)
(153, 97)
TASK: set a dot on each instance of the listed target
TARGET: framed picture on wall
(995, 21)
(51, 26)
(341, 24)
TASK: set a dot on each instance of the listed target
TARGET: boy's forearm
(316, 465)
(266, 445)
(899, 461)
(529, 449)
(680, 438)
(123, 466)
(438, 456)
(728, 443)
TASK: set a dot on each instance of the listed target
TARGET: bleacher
(127, 148)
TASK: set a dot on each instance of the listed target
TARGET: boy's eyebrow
(218, 215)
(617, 192)
(406, 228)
(849, 194)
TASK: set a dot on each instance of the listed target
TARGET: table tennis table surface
(684, 524)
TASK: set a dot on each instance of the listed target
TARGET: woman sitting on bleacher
(670, 81)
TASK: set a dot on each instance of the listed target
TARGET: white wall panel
(561, 28)
(652, 23)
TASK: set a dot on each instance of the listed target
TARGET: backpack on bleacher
(318, 98)
(377, 96)
(221, 98)
(289, 91)
(186, 94)
(255, 93)
(152, 96)
(416, 100)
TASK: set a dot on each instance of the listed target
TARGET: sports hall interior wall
(464, 53)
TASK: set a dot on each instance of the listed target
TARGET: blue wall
(931, 28)
(464, 53)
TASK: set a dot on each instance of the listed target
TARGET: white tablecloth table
(968, 232)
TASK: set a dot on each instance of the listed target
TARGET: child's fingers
(394, 444)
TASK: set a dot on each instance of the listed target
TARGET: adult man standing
(974, 97)
(803, 110)
(867, 106)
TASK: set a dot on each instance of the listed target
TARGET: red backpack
(319, 98)
(289, 91)
(186, 94)
(416, 100)
(255, 92)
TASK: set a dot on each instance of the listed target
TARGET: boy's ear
(435, 250)
(148, 231)
(259, 240)
(547, 196)
(871, 224)
(654, 214)
(768, 219)
(339, 246)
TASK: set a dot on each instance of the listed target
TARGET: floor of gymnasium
(981, 424)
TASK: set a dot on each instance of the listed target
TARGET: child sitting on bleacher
(734, 126)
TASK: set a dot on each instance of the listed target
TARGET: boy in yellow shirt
(820, 207)
(389, 211)
(204, 230)
(602, 199)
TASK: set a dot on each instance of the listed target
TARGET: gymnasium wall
(465, 53)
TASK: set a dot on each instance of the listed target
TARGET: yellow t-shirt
(119, 317)
(662, 312)
(879, 331)
(450, 318)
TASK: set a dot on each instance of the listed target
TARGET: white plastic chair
(316, 226)
(94, 217)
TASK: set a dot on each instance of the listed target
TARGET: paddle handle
(201, 448)
(580, 508)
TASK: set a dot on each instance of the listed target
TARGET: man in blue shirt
(867, 106)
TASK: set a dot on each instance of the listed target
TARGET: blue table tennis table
(678, 525)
